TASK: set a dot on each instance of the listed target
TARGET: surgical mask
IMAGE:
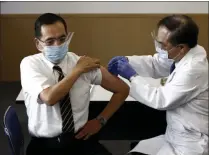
(163, 53)
(55, 54)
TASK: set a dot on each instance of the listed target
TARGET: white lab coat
(184, 96)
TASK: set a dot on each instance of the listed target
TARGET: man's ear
(183, 48)
(38, 45)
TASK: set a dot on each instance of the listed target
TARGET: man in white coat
(185, 94)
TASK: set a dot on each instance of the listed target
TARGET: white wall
(103, 7)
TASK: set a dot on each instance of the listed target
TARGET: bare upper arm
(113, 83)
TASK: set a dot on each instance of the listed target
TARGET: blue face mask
(55, 54)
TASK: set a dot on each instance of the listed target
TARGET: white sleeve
(95, 77)
(180, 90)
(33, 81)
(150, 66)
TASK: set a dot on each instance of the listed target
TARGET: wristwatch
(133, 77)
(101, 120)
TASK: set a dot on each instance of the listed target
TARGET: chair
(13, 132)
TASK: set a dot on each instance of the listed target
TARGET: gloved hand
(112, 65)
(125, 70)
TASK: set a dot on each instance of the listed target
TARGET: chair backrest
(13, 131)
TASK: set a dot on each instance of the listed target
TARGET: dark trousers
(66, 145)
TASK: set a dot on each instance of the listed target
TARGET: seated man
(56, 86)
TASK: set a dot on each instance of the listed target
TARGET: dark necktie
(65, 107)
(172, 67)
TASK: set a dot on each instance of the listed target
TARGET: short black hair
(183, 30)
(47, 19)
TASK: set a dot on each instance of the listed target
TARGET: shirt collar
(51, 65)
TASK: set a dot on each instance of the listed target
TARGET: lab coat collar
(189, 54)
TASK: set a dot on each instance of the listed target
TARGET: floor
(9, 92)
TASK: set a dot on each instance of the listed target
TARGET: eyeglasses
(160, 45)
(62, 39)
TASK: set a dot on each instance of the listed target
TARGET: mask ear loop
(177, 55)
(42, 45)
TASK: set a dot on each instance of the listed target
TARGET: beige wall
(97, 35)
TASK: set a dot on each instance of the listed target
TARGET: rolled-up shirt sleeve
(33, 80)
(95, 77)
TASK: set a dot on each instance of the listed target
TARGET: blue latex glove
(125, 70)
(112, 65)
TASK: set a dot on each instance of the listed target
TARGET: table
(133, 121)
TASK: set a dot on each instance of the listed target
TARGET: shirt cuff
(132, 78)
(37, 92)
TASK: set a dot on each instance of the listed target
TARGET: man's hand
(117, 58)
(125, 70)
(86, 64)
(121, 66)
(89, 129)
(112, 65)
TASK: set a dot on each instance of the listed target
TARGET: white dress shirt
(36, 75)
(184, 96)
